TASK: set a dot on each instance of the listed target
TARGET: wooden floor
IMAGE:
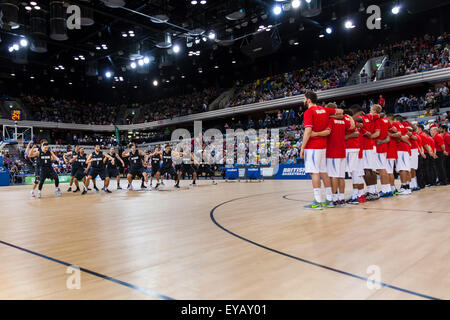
(230, 241)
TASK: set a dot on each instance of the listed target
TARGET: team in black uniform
(155, 160)
(45, 159)
(37, 169)
(167, 166)
(79, 162)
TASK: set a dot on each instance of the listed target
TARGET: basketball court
(236, 240)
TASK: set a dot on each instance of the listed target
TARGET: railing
(407, 80)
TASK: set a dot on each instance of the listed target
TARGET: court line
(286, 196)
(96, 274)
(211, 214)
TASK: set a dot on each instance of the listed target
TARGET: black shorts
(136, 172)
(167, 169)
(112, 172)
(155, 168)
(48, 173)
(74, 170)
(187, 168)
(94, 172)
(79, 173)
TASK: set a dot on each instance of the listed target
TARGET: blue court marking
(304, 260)
(96, 274)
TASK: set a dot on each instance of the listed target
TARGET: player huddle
(337, 141)
(86, 168)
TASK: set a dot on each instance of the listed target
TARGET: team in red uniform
(364, 144)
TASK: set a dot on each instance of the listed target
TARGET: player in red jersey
(403, 163)
(440, 156)
(369, 154)
(382, 126)
(392, 156)
(313, 148)
(415, 142)
(336, 154)
(354, 162)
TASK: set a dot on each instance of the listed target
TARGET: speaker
(262, 44)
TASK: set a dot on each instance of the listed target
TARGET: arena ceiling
(111, 38)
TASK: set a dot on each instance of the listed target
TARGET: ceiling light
(333, 16)
(13, 74)
(395, 10)
(51, 80)
(28, 8)
(97, 48)
(329, 30)
(216, 67)
(31, 77)
(183, 76)
(349, 24)
(203, 2)
(133, 65)
(108, 74)
(16, 47)
(37, 8)
(234, 61)
(155, 82)
(146, 60)
(277, 9)
(76, 58)
(295, 4)
(194, 2)
(124, 35)
(308, 1)
(11, 49)
(70, 83)
(33, 3)
(141, 62)
(176, 48)
(321, 35)
(212, 35)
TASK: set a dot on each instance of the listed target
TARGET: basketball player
(136, 159)
(155, 160)
(207, 169)
(96, 167)
(81, 165)
(45, 158)
(415, 146)
(167, 166)
(353, 162)
(313, 149)
(336, 155)
(392, 155)
(186, 167)
(368, 145)
(74, 168)
(112, 171)
(37, 169)
(403, 163)
(441, 153)
(382, 126)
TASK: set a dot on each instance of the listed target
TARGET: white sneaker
(39, 194)
(58, 192)
(404, 192)
(214, 182)
(149, 188)
(32, 193)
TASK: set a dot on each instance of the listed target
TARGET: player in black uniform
(155, 158)
(187, 166)
(167, 166)
(96, 167)
(37, 169)
(207, 169)
(79, 162)
(72, 154)
(112, 170)
(136, 159)
(45, 158)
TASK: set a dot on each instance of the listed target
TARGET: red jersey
(424, 141)
(414, 143)
(352, 143)
(401, 145)
(317, 118)
(447, 141)
(439, 141)
(369, 126)
(418, 141)
(383, 125)
(336, 139)
(431, 143)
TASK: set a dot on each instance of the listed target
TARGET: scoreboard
(15, 115)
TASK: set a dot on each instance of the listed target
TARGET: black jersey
(81, 161)
(135, 160)
(45, 159)
(156, 159)
(108, 161)
(167, 158)
(75, 163)
(97, 160)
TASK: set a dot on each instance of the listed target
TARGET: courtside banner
(62, 179)
(292, 171)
